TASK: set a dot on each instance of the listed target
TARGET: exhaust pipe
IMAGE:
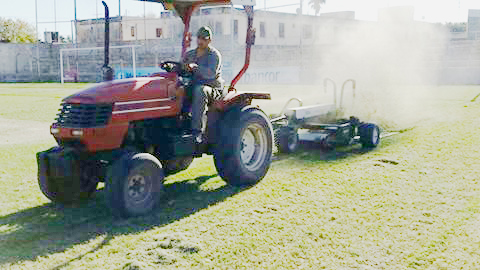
(107, 70)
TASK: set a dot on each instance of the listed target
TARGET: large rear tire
(134, 185)
(244, 153)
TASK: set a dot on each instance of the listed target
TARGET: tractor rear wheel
(369, 135)
(134, 184)
(244, 153)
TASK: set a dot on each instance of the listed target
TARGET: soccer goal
(85, 64)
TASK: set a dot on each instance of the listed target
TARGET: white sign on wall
(272, 75)
(244, 2)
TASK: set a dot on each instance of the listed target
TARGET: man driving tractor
(205, 62)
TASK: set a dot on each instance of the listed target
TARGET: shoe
(199, 139)
(198, 136)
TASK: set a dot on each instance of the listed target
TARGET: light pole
(55, 13)
(300, 13)
(76, 42)
(75, 20)
(76, 33)
(145, 21)
(38, 49)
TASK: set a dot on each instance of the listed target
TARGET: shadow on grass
(312, 152)
(309, 151)
(49, 229)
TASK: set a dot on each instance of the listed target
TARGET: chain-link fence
(457, 62)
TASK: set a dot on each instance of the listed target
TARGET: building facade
(228, 23)
(473, 24)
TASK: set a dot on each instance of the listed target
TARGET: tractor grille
(84, 115)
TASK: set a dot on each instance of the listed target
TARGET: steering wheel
(172, 66)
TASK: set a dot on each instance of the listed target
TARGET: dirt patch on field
(13, 131)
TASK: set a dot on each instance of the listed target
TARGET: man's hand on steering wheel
(190, 67)
(185, 69)
(171, 66)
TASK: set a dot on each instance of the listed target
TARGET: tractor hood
(161, 86)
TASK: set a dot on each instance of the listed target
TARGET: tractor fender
(239, 98)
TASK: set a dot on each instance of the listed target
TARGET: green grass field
(414, 202)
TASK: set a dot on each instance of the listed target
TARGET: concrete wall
(333, 47)
(461, 64)
(21, 64)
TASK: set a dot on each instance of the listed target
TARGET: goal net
(85, 64)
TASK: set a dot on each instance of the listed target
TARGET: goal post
(92, 49)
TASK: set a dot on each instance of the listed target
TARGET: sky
(63, 11)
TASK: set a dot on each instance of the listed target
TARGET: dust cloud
(395, 65)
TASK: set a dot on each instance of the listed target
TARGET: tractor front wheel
(244, 153)
(134, 184)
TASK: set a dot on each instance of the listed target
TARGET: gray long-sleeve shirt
(209, 71)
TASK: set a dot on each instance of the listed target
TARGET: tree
(456, 26)
(316, 4)
(16, 31)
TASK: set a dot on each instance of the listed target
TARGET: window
(218, 28)
(195, 25)
(132, 30)
(159, 32)
(211, 24)
(235, 27)
(307, 31)
(262, 30)
(281, 30)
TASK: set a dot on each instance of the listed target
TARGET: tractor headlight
(77, 132)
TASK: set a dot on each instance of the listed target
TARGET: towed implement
(322, 124)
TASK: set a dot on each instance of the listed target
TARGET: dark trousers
(203, 95)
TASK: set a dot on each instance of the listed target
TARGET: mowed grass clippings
(411, 203)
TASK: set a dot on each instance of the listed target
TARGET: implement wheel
(369, 135)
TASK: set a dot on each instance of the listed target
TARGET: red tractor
(132, 133)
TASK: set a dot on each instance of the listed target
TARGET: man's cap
(204, 32)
